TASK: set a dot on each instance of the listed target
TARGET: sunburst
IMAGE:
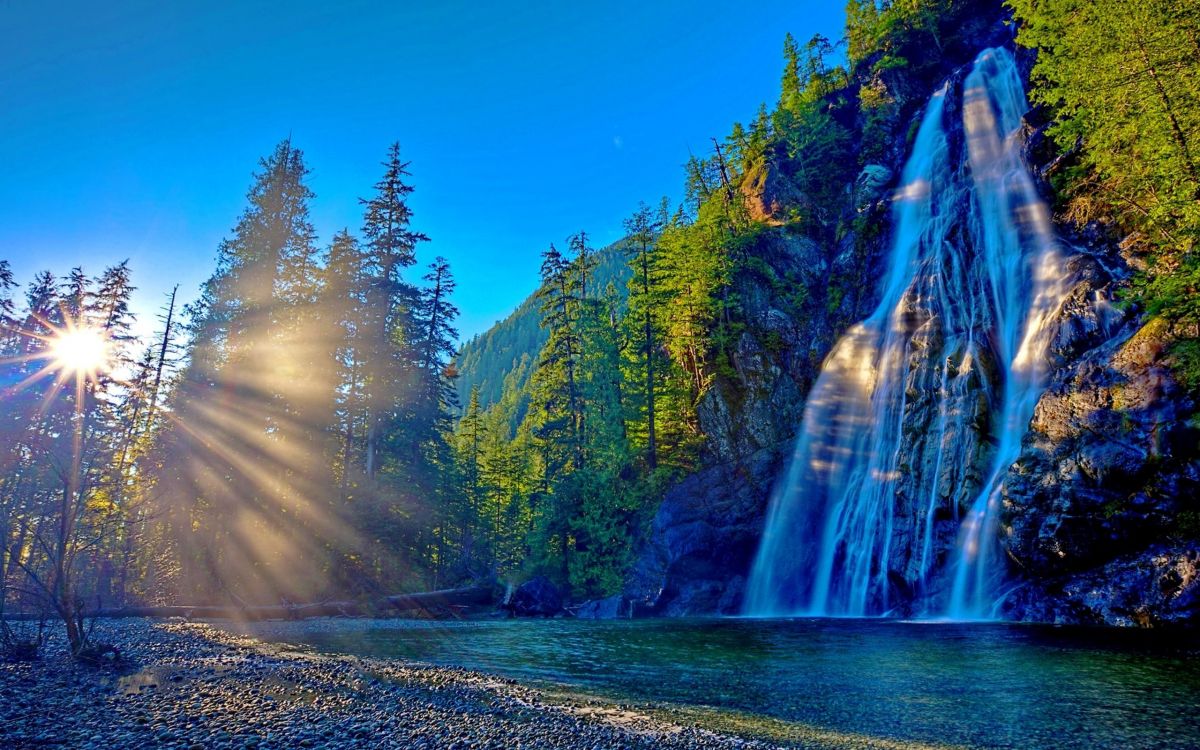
(81, 350)
(74, 351)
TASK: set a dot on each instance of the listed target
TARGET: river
(978, 685)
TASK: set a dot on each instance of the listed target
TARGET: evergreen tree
(430, 428)
(862, 23)
(344, 299)
(391, 248)
(255, 400)
(818, 147)
(645, 297)
(433, 319)
(471, 439)
(1122, 80)
(558, 402)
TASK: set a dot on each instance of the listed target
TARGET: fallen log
(206, 611)
(430, 600)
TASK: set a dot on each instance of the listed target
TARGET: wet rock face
(1107, 487)
(703, 540)
(1104, 437)
(1156, 587)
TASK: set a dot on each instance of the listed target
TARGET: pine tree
(391, 248)
(253, 399)
(862, 28)
(695, 271)
(507, 468)
(471, 439)
(429, 430)
(791, 88)
(559, 404)
(344, 299)
(645, 296)
(433, 320)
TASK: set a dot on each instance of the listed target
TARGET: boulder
(537, 597)
(609, 608)
(870, 186)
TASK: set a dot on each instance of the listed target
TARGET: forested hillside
(487, 359)
(621, 404)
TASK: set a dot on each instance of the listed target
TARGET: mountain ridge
(488, 358)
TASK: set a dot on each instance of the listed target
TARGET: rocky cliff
(1102, 506)
(1101, 516)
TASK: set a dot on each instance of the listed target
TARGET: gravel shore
(191, 685)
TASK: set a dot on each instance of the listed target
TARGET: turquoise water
(991, 685)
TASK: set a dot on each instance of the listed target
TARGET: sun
(81, 350)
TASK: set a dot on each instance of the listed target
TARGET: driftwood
(463, 597)
(274, 612)
(428, 601)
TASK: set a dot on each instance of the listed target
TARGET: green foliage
(576, 423)
(879, 112)
(862, 28)
(567, 449)
(696, 272)
(1122, 80)
(885, 31)
(601, 532)
(817, 146)
(1138, 140)
(1185, 362)
(834, 300)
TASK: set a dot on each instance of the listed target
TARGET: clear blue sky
(131, 129)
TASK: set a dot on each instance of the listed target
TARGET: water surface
(991, 685)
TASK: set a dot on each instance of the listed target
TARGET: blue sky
(131, 129)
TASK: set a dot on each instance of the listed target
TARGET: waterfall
(892, 494)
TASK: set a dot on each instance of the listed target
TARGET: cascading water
(920, 409)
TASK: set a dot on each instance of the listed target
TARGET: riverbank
(192, 685)
(711, 683)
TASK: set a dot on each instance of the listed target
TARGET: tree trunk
(1176, 130)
